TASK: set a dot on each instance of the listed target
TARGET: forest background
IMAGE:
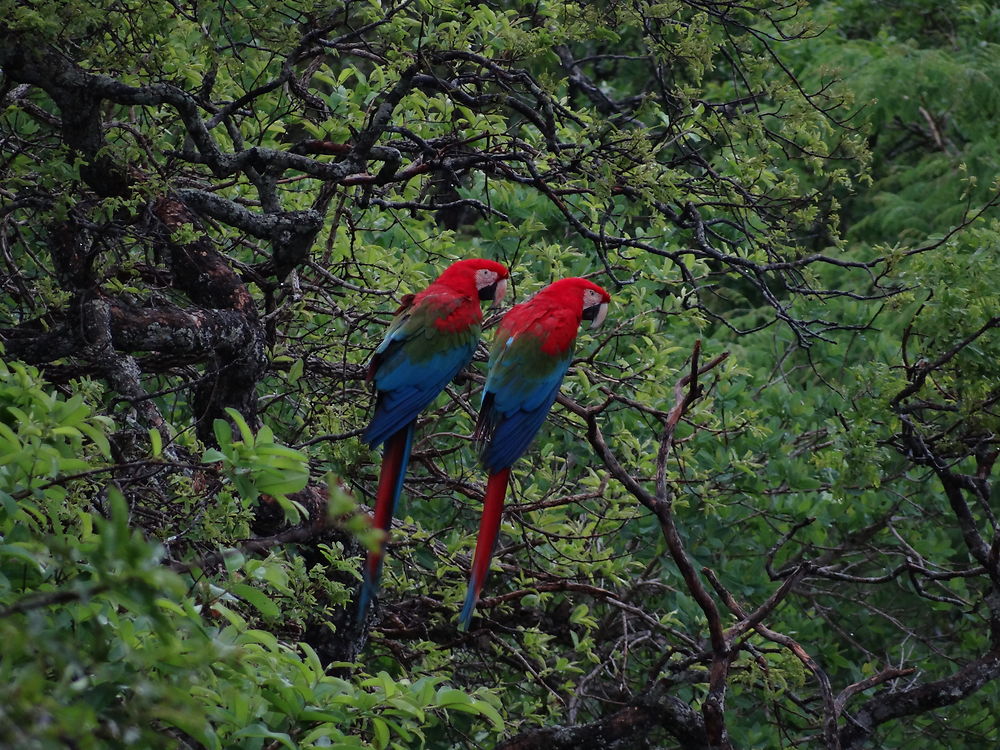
(761, 515)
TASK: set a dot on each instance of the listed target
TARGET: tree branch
(622, 729)
(889, 705)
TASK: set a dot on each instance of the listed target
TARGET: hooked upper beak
(494, 291)
(596, 314)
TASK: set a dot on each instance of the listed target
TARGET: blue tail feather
(471, 598)
(365, 596)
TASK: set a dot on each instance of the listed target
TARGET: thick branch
(889, 705)
(621, 730)
(209, 281)
(753, 620)
(171, 330)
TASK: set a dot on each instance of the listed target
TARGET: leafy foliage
(106, 645)
(210, 213)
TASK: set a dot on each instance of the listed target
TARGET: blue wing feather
(513, 432)
(515, 403)
(407, 379)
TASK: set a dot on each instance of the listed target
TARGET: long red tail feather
(489, 530)
(395, 458)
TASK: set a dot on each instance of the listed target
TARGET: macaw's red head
(486, 279)
(592, 299)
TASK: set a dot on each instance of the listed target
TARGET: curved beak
(596, 314)
(499, 289)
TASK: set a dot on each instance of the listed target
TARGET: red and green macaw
(431, 338)
(530, 355)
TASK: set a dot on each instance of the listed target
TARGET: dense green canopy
(762, 513)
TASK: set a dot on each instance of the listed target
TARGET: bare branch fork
(724, 643)
(686, 391)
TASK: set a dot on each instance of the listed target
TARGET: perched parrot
(530, 355)
(431, 338)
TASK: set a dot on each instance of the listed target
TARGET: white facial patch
(592, 299)
(484, 278)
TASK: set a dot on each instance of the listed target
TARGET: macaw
(530, 355)
(433, 335)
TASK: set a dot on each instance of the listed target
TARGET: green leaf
(156, 443)
(256, 598)
(259, 730)
(223, 432)
(246, 434)
(381, 733)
